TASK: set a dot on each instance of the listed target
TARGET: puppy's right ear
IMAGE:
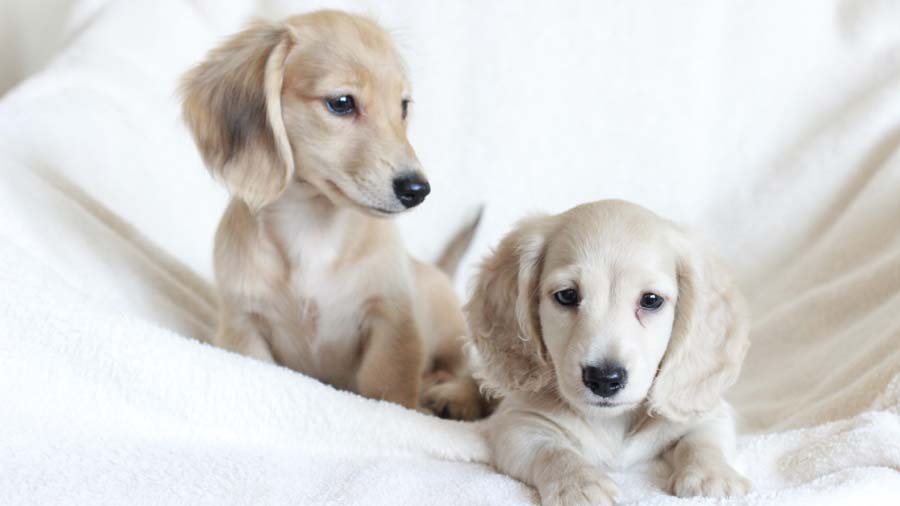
(232, 105)
(503, 312)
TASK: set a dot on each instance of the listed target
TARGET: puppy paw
(586, 487)
(454, 398)
(708, 480)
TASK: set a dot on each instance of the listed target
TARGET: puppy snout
(411, 189)
(605, 380)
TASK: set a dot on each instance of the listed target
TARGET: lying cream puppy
(611, 335)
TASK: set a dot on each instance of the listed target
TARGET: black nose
(605, 380)
(411, 189)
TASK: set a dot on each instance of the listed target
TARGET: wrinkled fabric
(773, 129)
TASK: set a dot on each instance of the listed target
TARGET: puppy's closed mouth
(339, 193)
(383, 212)
(606, 404)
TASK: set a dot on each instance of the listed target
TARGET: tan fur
(232, 103)
(309, 273)
(456, 248)
(393, 358)
(554, 432)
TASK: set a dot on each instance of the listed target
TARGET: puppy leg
(241, 334)
(449, 389)
(540, 455)
(454, 397)
(393, 359)
(700, 467)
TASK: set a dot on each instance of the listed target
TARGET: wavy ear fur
(232, 105)
(709, 336)
(503, 314)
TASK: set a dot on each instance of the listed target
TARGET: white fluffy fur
(550, 430)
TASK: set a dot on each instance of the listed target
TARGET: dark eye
(567, 297)
(341, 106)
(651, 301)
(405, 105)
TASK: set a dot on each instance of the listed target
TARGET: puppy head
(613, 307)
(320, 98)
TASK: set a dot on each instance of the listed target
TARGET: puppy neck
(307, 209)
(314, 232)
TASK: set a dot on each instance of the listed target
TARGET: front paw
(708, 480)
(586, 487)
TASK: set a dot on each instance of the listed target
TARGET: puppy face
(608, 306)
(322, 99)
(608, 292)
(346, 100)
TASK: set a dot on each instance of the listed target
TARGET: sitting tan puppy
(611, 335)
(304, 121)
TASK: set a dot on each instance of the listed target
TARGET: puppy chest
(320, 337)
(617, 451)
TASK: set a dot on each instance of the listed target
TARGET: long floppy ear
(232, 105)
(503, 312)
(709, 336)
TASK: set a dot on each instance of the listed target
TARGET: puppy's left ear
(709, 336)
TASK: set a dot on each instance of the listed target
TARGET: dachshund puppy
(304, 121)
(610, 335)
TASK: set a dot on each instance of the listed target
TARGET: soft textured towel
(771, 128)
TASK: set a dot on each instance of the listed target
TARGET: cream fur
(550, 430)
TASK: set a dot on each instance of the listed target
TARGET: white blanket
(772, 128)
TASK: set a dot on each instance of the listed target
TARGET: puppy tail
(459, 244)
